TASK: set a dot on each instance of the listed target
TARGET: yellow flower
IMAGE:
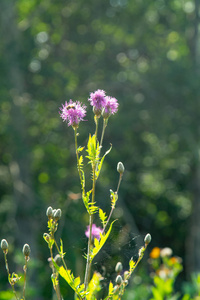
(155, 253)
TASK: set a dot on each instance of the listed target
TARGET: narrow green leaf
(101, 163)
(110, 290)
(73, 282)
(99, 244)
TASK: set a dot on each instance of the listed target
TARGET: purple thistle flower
(111, 107)
(98, 101)
(73, 113)
(95, 231)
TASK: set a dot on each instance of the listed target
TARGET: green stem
(59, 252)
(25, 271)
(91, 217)
(113, 207)
(119, 182)
(105, 122)
(96, 119)
(77, 156)
(89, 264)
(57, 288)
(8, 272)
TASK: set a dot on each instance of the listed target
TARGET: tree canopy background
(144, 53)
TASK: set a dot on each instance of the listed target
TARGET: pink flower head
(95, 231)
(111, 106)
(73, 113)
(98, 100)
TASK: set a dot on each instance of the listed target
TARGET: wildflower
(95, 231)
(166, 252)
(174, 260)
(98, 101)
(111, 107)
(155, 253)
(73, 113)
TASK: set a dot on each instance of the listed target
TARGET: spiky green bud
(147, 239)
(118, 280)
(120, 167)
(26, 250)
(126, 275)
(4, 245)
(58, 260)
(49, 212)
(57, 214)
(118, 267)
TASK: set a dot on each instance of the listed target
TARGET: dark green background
(144, 53)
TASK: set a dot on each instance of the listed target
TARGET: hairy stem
(77, 156)
(25, 271)
(89, 263)
(105, 122)
(57, 287)
(8, 272)
(113, 207)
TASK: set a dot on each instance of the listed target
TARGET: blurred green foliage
(144, 53)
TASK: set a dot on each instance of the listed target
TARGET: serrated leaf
(114, 198)
(54, 281)
(99, 166)
(93, 150)
(99, 243)
(80, 161)
(94, 286)
(92, 209)
(74, 283)
(77, 281)
(102, 216)
(80, 149)
(62, 254)
(131, 265)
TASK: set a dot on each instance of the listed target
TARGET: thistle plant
(14, 278)
(73, 113)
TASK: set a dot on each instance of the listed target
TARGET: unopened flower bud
(4, 245)
(106, 114)
(97, 112)
(147, 239)
(118, 267)
(120, 167)
(53, 212)
(58, 260)
(118, 280)
(26, 250)
(57, 214)
(126, 275)
(49, 212)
